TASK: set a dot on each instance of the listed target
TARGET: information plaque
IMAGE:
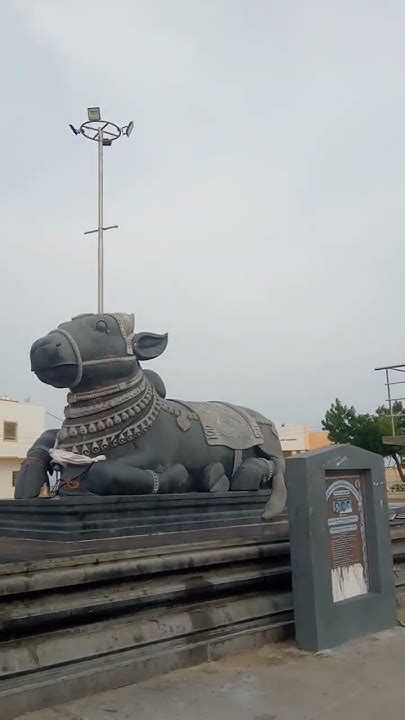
(347, 534)
(340, 546)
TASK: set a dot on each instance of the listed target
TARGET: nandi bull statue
(120, 434)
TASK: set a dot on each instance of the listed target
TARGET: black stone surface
(150, 445)
(90, 518)
(16, 550)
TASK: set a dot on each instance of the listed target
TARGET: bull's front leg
(34, 470)
(125, 477)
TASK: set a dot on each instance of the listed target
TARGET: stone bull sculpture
(121, 435)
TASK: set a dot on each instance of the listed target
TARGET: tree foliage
(345, 425)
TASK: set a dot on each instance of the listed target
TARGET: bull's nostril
(58, 344)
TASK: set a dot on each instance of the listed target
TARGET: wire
(53, 416)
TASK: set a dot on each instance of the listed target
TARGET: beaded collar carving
(107, 390)
(93, 428)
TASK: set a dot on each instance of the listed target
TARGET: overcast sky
(260, 198)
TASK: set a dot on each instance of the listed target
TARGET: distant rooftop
(26, 401)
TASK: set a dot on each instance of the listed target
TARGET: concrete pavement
(363, 679)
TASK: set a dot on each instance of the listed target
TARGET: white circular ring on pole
(91, 129)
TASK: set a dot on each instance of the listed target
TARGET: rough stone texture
(79, 624)
(92, 517)
(84, 624)
(17, 551)
(319, 621)
(362, 680)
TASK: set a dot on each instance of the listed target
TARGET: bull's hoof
(174, 479)
(213, 479)
(254, 473)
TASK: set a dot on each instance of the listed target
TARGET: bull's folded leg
(278, 498)
(254, 473)
(269, 468)
(213, 479)
(174, 479)
(111, 478)
(34, 470)
(32, 475)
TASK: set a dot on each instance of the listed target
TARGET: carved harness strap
(126, 327)
(76, 350)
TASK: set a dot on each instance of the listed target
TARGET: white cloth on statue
(66, 457)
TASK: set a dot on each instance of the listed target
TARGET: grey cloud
(259, 198)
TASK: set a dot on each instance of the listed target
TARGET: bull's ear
(149, 345)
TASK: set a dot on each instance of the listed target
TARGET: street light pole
(104, 133)
(100, 275)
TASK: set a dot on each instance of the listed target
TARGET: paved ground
(362, 680)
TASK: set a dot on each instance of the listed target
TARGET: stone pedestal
(83, 616)
(93, 517)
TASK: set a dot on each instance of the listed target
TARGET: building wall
(292, 438)
(297, 439)
(318, 439)
(7, 466)
(30, 421)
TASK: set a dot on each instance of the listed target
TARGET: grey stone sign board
(341, 558)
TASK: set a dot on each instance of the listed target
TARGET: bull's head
(93, 349)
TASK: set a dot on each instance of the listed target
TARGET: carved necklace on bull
(121, 412)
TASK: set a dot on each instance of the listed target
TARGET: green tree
(345, 425)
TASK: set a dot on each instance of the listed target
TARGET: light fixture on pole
(94, 114)
(104, 133)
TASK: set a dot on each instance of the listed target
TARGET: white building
(20, 425)
(296, 439)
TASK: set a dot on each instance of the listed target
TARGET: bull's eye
(101, 326)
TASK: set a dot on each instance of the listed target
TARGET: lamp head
(94, 114)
